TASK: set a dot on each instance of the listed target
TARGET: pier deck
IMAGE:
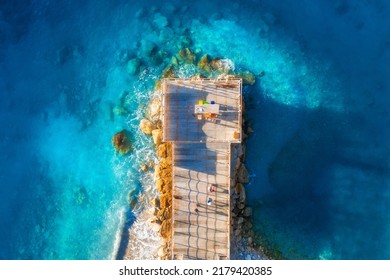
(201, 158)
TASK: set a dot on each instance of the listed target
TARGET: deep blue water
(319, 154)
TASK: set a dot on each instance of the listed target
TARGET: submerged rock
(223, 66)
(81, 195)
(120, 111)
(168, 72)
(247, 77)
(146, 126)
(186, 56)
(133, 65)
(157, 86)
(174, 61)
(243, 175)
(122, 142)
(148, 48)
(160, 21)
(247, 212)
(240, 190)
(204, 65)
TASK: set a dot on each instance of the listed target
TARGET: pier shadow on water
(322, 182)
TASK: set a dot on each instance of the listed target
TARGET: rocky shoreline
(162, 177)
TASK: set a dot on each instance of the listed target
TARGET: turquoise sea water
(318, 157)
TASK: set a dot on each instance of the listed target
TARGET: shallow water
(318, 155)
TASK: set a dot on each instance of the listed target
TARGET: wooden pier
(201, 117)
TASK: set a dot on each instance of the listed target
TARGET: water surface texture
(318, 157)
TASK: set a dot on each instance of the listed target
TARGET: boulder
(122, 142)
(155, 202)
(186, 56)
(160, 21)
(148, 48)
(238, 164)
(146, 126)
(158, 124)
(243, 175)
(166, 163)
(133, 66)
(247, 77)
(144, 167)
(247, 212)
(151, 164)
(165, 200)
(133, 203)
(223, 66)
(241, 205)
(168, 212)
(157, 136)
(159, 185)
(174, 61)
(236, 211)
(204, 65)
(166, 229)
(120, 111)
(162, 150)
(154, 109)
(168, 72)
(240, 190)
(239, 150)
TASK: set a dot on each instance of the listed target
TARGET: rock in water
(186, 56)
(122, 142)
(243, 175)
(204, 65)
(222, 66)
(144, 167)
(148, 48)
(247, 77)
(157, 136)
(133, 66)
(160, 21)
(146, 126)
(240, 190)
(168, 72)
